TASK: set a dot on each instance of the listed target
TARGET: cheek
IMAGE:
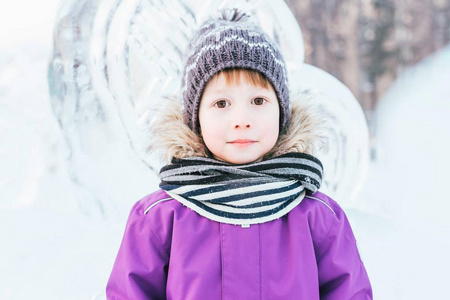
(209, 130)
(271, 123)
(273, 132)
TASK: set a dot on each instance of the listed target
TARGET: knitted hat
(231, 41)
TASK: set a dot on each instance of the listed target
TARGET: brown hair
(233, 76)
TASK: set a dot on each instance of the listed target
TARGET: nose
(241, 125)
(242, 119)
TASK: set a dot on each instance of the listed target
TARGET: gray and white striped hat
(231, 41)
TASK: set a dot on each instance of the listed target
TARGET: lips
(242, 142)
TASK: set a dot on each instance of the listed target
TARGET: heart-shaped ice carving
(113, 59)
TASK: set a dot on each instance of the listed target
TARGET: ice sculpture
(346, 157)
(113, 59)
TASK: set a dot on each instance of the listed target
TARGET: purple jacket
(170, 252)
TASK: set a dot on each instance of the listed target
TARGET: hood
(172, 138)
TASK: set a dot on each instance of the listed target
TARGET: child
(238, 215)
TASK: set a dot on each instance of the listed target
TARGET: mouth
(242, 142)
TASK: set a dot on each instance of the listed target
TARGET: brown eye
(259, 101)
(221, 104)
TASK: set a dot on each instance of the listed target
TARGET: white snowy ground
(49, 249)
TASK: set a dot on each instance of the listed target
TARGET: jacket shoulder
(322, 213)
(324, 203)
(160, 210)
(156, 201)
(342, 274)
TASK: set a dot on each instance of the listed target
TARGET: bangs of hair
(233, 76)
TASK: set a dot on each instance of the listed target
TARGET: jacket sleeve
(341, 271)
(139, 271)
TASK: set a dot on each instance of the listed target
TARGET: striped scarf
(242, 194)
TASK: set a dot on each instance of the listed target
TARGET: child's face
(239, 122)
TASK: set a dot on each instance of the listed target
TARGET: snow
(412, 167)
(56, 247)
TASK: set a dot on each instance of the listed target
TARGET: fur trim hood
(305, 131)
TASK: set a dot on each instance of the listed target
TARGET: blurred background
(369, 44)
(74, 104)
